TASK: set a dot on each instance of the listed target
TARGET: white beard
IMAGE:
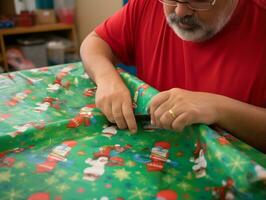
(186, 35)
(203, 32)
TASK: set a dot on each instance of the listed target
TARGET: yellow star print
(5, 176)
(121, 174)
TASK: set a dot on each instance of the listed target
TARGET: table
(55, 144)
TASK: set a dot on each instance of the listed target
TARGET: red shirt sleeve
(119, 31)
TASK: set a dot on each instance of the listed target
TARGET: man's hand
(178, 108)
(113, 98)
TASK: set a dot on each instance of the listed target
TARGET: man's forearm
(245, 121)
(98, 59)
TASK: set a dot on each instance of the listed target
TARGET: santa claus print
(96, 169)
(158, 157)
(10, 76)
(19, 97)
(106, 156)
(109, 131)
(7, 162)
(200, 163)
(30, 80)
(140, 91)
(83, 117)
(258, 174)
(58, 154)
(111, 151)
(46, 103)
(167, 195)
(58, 83)
(226, 191)
(3, 117)
(89, 92)
(23, 128)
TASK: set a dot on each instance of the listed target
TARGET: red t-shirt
(232, 63)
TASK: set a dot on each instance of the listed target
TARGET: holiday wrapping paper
(55, 144)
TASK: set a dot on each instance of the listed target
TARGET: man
(207, 57)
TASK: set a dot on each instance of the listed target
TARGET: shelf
(70, 31)
(70, 50)
(35, 29)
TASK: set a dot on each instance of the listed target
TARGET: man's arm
(177, 108)
(112, 96)
(96, 53)
(245, 121)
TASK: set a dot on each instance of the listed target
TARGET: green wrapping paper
(55, 144)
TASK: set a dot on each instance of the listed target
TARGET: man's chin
(190, 34)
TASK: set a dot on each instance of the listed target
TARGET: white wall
(90, 13)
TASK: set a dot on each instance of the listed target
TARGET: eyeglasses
(200, 5)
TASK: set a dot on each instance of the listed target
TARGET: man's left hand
(177, 108)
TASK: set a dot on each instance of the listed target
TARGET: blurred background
(37, 33)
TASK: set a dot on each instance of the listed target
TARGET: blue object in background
(44, 4)
(130, 69)
(6, 23)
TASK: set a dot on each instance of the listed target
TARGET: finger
(129, 117)
(170, 115)
(107, 111)
(105, 107)
(181, 122)
(159, 112)
(118, 115)
(155, 103)
(99, 104)
(159, 98)
(167, 119)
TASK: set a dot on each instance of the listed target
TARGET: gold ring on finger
(172, 113)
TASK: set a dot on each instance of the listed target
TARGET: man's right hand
(112, 96)
(114, 100)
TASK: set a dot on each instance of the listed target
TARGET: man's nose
(182, 10)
